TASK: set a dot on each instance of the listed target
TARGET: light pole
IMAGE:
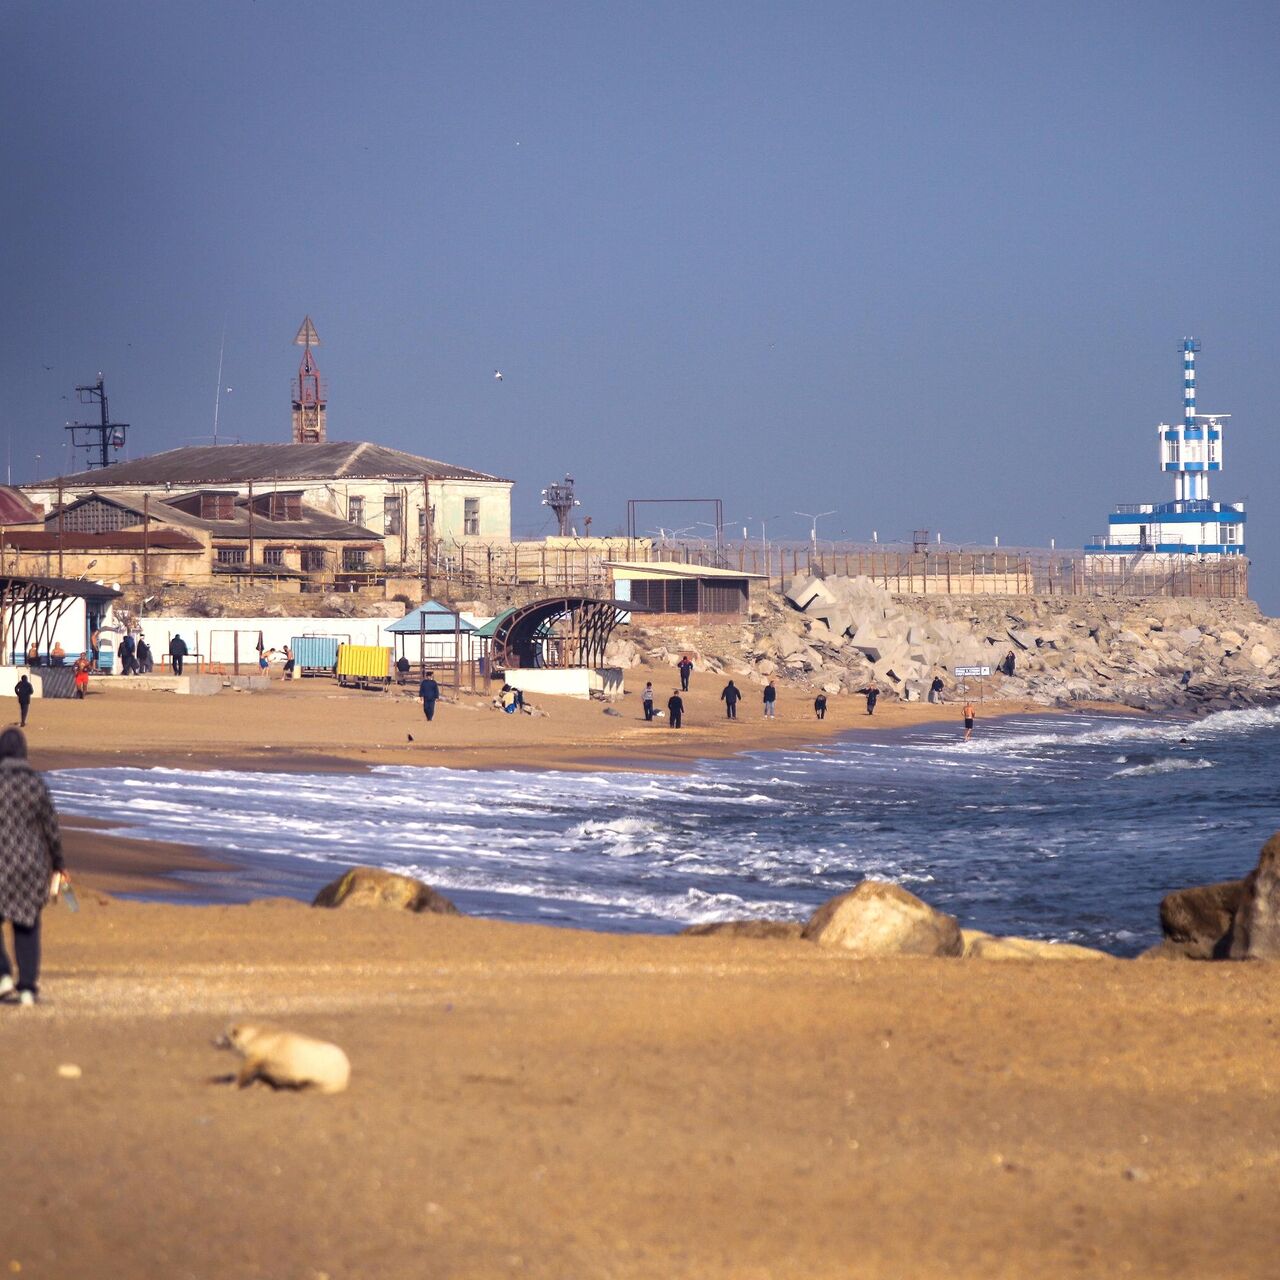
(813, 528)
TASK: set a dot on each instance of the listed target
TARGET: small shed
(664, 587)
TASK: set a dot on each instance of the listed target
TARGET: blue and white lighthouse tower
(1190, 525)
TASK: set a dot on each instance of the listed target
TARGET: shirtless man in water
(969, 714)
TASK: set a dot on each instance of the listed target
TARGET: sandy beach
(313, 724)
(529, 1101)
(555, 1102)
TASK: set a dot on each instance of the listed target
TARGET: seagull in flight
(497, 375)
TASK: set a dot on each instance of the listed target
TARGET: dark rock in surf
(1197, 921)
(1255, 931)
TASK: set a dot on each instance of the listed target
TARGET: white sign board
(972, 671)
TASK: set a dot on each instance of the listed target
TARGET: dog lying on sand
(284, 1059)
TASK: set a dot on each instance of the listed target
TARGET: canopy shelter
(32, 608)
(445, 639)
(567, 631)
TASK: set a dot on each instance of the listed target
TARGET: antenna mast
(97, 437)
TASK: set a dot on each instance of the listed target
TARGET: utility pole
(426, 536)
(813, 528)
(102, 436)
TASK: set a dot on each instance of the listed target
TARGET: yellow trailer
(364, 664)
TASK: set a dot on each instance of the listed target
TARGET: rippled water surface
(1058, 827)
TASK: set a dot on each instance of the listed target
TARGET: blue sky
(927, 264)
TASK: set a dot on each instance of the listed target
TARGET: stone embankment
(840, 634)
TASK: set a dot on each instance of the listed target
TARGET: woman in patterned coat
(30, 855)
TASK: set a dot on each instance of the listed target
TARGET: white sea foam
(1170, 765)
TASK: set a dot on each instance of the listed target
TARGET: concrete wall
(572, 682)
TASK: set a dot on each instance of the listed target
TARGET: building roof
(114, 540)
(17, 508)
(431, 618)
(315, 524)
(673, 569)
(240, 463)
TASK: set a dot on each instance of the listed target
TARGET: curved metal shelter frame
(567, 631)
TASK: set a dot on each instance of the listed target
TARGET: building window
(354, 559)
(422, 520)
(217, 506)
(232, 555)
(313, 560)
(284, 506)
(1230, 533)
(391, 515)
(273, 555)
(355, 510)
(471, 517)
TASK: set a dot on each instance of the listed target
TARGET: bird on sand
(410, 737)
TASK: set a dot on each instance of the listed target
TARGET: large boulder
(877, 919)
(1255, 931)
(371, 887)
(1197, 921)
(745, 929)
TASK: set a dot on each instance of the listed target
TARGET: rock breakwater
(839, 634)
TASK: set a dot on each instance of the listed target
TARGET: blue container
(315, 655)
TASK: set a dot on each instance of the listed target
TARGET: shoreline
(105, 856)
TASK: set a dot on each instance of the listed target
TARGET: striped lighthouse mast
(1189, 485)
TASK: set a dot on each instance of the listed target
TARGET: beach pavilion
(437, 637)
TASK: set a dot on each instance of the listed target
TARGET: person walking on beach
(429, 692)
(30, 864)
(872, 693)
(81, 677)
(820, 706)
(125, 652)
(770, 697)
(290, 662)
(142, 654)
(177, 651)
(686, 667)
(969, 716)
(646, 700)
(675, 709)
(1010, 661)
(24, 689)
(935, 690)
(730, 695)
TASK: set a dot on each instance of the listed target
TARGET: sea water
(1064, 827)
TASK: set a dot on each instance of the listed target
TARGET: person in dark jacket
(730, 694)
(24, 689)
(872, 692)
(675, 708)
(402, 668)
(126, 653)
(936, 690)
(429, 692)
(177, 651)
(1006, 667)
(143, 654)
(820, 706)
(30, 863)
(770, 697)
(686, 667)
